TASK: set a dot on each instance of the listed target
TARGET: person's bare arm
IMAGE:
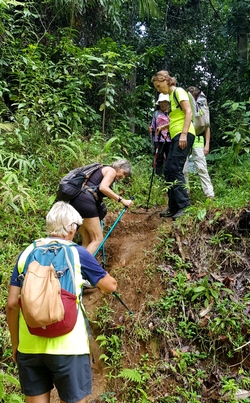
(186, 107)
(107, 284)
(109, 175)
(12, 315)
(163, 127)
(207, 141)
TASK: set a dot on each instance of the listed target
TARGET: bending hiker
(201, 145)
(182, 134)
(90, 206)
(161, 138)
(63, 361)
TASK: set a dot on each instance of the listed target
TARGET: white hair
(60, 218)
(124, 165)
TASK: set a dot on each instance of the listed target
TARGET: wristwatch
(119, 199)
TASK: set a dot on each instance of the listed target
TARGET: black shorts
(86, 205)
(71, 375)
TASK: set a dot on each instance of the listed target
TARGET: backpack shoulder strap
(46, 244)
(156, 113)
(176, 99)
(193, 105)
(191, 101)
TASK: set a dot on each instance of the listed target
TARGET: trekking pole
(121, 301)
(111, 229)
(103, 248)
(153, 172)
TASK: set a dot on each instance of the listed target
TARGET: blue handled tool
(112, 228)
(102, 246)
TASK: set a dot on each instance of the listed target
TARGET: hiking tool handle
(152, 176)
(111, 229)
(123, 303)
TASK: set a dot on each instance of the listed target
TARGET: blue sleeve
(14, 280)
(90, 268)
(14, 277)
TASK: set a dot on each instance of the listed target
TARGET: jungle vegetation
(75, 86)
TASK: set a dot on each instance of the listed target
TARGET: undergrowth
(190, 337)
(197, 329)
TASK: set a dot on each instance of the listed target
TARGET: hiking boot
(167, 213)
(179, 213)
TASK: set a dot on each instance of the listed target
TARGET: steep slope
(154, 259)
(127, 252)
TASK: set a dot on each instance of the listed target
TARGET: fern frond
(130, 374)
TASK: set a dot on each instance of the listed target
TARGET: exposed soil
(128, 247)
(129, 251)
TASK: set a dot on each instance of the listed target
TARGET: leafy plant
(113, 354)
(238, 136)
(207, 291)
(5, 394)
(132, 375)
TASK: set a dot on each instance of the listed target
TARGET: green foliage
(14, 192)
(79, 90)
(206, 291)
(237, 134)
(104, 316)
(229, 385)
(5, 394)
(147, 192)
(136, 379)
(108, 397)
(132, 375)
(113, 355)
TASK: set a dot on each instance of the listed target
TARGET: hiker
(200, 149)
(182, 134)
(87, 202)
(161, 139)
(63, 361)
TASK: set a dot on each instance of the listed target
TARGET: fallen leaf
(239, 395)
(205, 311)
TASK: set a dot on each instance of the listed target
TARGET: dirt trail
(127, 250)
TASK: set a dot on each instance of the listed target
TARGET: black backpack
(70, 186)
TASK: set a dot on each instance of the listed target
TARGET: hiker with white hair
(50, 360)
(89, 201)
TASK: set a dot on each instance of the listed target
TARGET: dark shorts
(71, 374)
(86, 205)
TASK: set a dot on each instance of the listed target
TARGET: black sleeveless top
(95, 180)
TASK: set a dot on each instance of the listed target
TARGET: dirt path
(127, 250)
